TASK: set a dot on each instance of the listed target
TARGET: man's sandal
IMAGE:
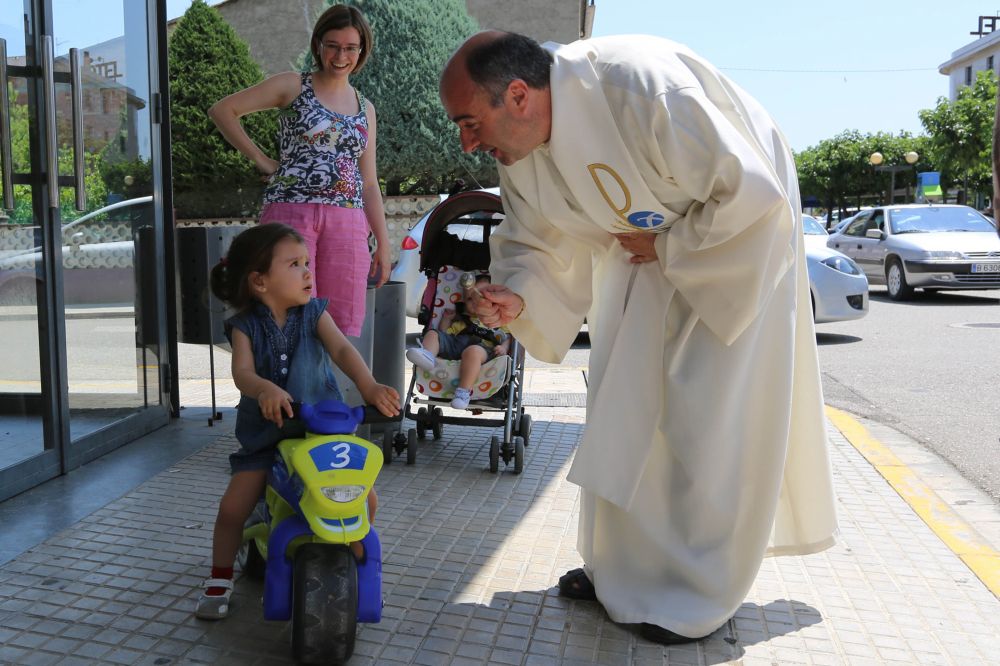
(575, 585)
(216, 606)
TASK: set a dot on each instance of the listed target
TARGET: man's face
(499, 131)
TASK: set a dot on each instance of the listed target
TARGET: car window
(812, 227)
(877, 222)
(858, 226)
(938, 219)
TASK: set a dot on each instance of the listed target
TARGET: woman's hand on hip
(266, 166)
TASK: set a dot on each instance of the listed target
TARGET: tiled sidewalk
(471, 559)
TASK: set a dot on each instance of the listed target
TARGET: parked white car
(98, 257)
(838, 286)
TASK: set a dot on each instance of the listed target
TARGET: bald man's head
(496, 89)
(492, 59)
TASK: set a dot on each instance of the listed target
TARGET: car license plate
(986, 268)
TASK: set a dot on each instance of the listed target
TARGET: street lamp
(876, 159)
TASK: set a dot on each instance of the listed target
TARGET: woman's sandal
(575, 585)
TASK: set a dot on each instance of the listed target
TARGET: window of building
(968, 76)
(989, 63)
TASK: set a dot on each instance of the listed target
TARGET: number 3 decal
(343, 458)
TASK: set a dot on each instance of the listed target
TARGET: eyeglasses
(351, 50)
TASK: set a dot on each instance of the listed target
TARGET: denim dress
(294, 358)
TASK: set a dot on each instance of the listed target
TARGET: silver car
(925, 246)
(838, 287)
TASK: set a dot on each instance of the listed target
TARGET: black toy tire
(494, 454)
(324, 604)
(411, 447)
(518, 454)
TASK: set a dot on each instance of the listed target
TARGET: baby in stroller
(460, 337)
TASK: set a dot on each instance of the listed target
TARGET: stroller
(444, 256)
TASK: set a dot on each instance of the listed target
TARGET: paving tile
(470, 564)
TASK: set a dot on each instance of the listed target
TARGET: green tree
(837, 171)
(418, 148)
(207, 61)
(961, 135)
(23, 212)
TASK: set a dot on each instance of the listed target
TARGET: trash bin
(200, 315)
(363, 343)
(389, 328)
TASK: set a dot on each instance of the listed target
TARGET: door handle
(6, 162)
(76, 90)
(49, 93)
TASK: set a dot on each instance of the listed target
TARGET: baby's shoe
(461, 399)
(215, 606)
(421, 358)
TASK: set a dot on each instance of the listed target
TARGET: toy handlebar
(332, 417)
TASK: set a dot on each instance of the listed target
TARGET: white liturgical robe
(704, 448)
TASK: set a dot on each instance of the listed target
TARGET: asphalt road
(928, 368)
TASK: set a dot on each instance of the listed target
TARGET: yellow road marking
(952, 529)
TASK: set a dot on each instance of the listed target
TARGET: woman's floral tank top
(320, 150)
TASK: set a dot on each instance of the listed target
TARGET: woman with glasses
(324, 182)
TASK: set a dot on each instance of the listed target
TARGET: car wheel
(895, 281)
(324, 603)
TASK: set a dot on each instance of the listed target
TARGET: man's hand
(495, 305)
(639, 245)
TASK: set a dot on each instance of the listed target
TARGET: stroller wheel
(518, 454)
(524, 430)
(411, 447)
(388, 438)
(494, 454)
(436, 425)
(421, 423)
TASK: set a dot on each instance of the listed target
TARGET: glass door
(81, 252)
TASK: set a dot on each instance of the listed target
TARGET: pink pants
(338, 253)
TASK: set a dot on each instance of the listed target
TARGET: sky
(819, 68)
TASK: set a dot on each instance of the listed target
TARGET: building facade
(983, 54)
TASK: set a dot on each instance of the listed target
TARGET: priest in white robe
(649, 195)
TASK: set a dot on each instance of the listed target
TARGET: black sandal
(575, 585)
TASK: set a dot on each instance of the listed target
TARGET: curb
(956, 533)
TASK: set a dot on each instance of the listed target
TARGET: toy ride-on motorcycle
(298, 538)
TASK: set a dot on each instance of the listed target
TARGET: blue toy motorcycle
(298, 538)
